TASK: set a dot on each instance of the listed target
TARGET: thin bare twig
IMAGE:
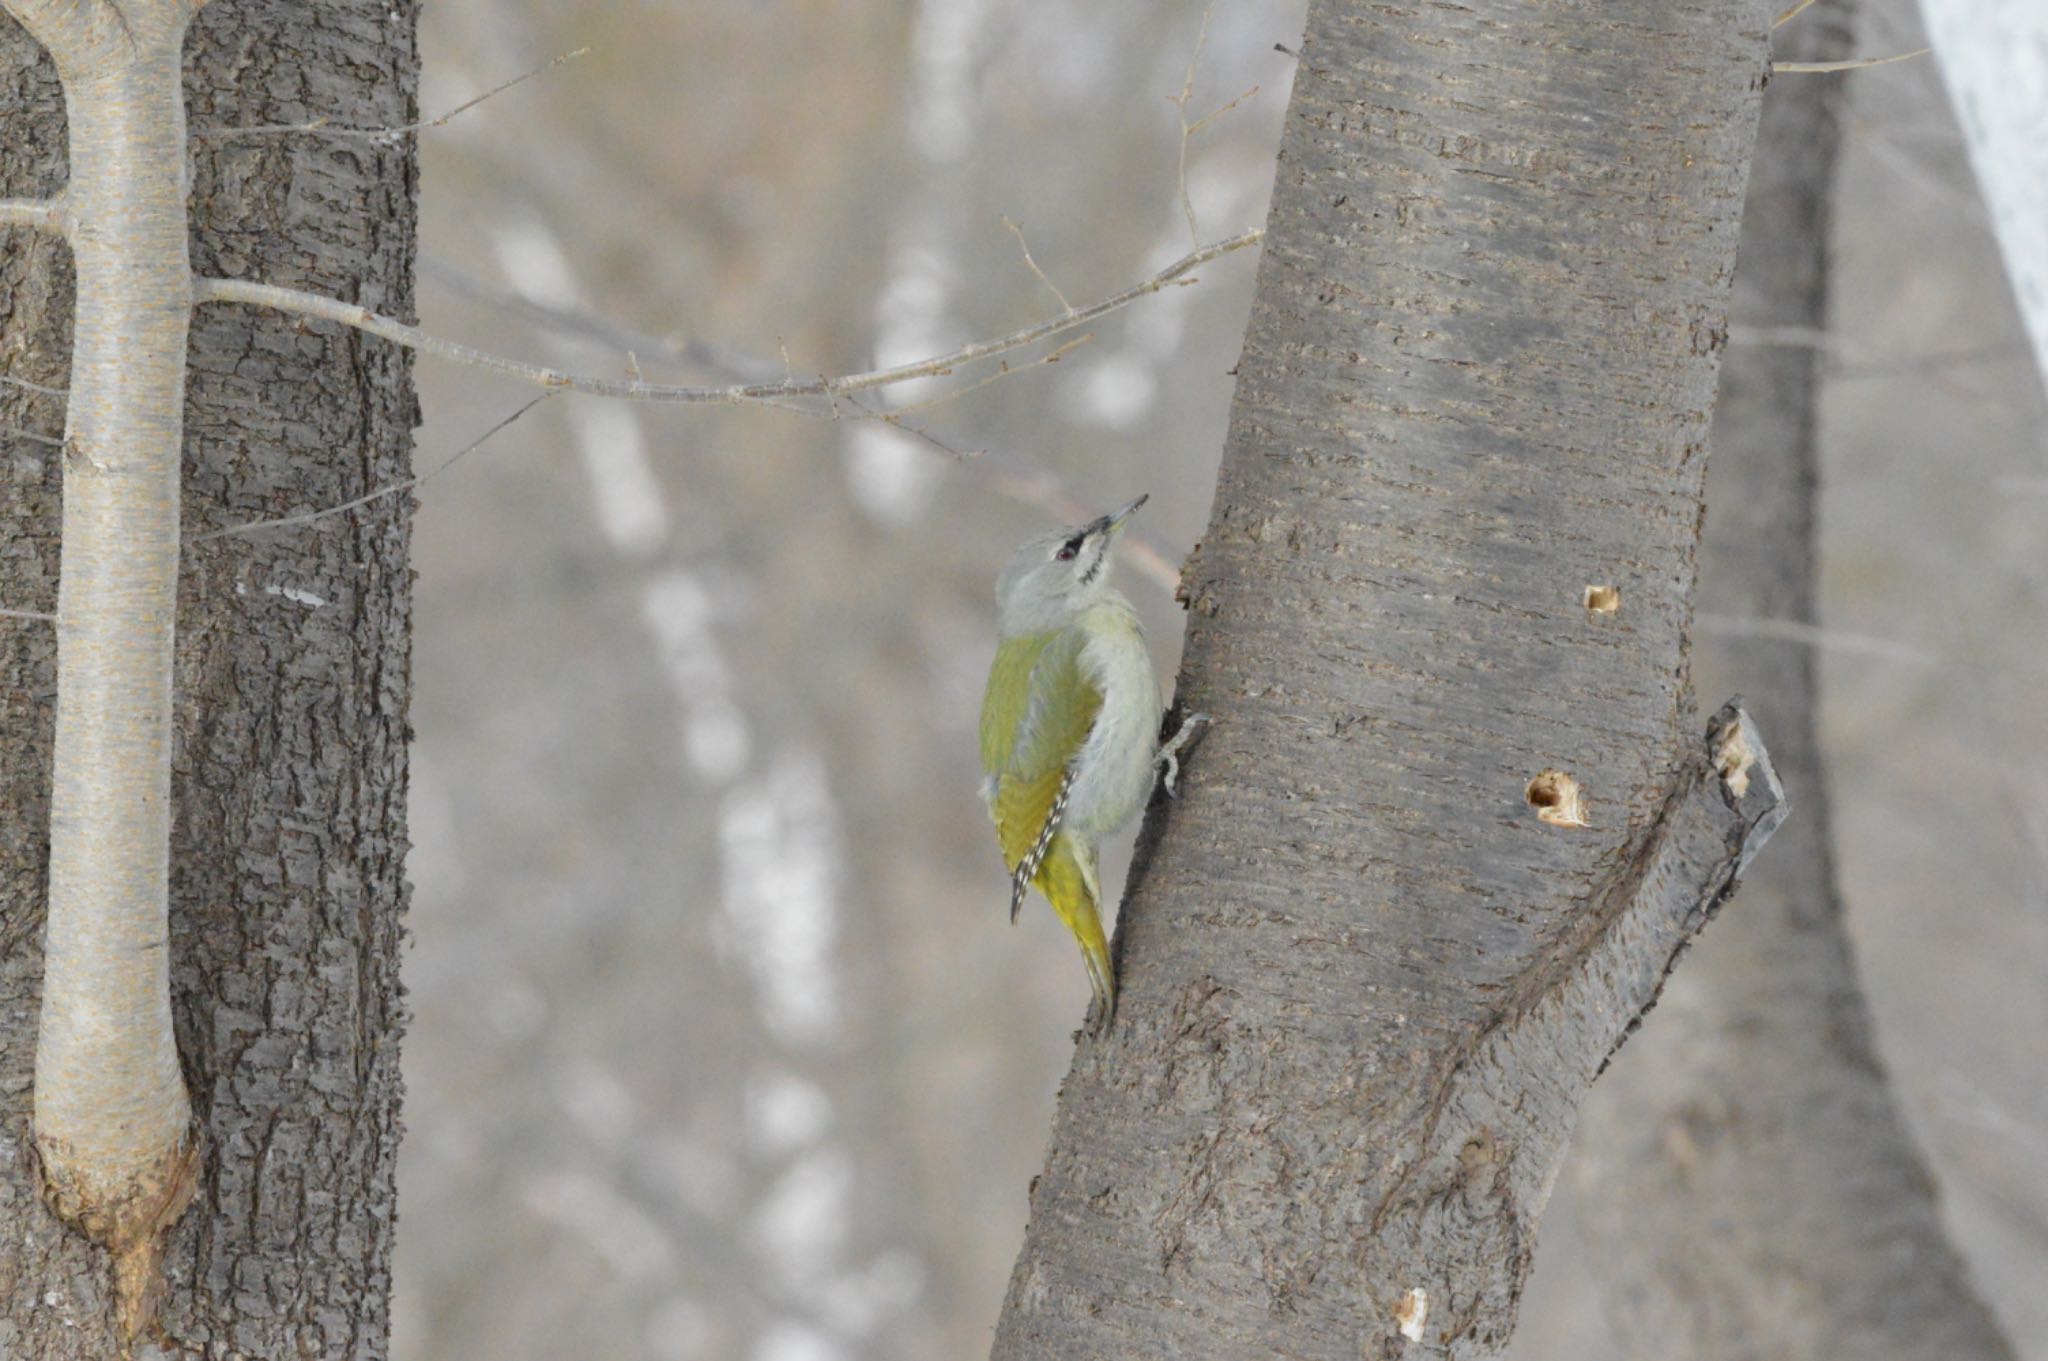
(1931, 175)
(1789, 15)
(37, 214)
(1180, 103)
(54, 441)
(954, 394)
(1187, 129)
(1032, 265)
(1933, 362)
(1811, 635)
(1858, 64)
(390, 489)
(711, 359)
(28, 614)
(12, 381)
(1785, 337)
(1036, 487)
(1848, 362)
(1206, 119)
(924, 434)
(361, 318)
(1861, 361)
(324, 128)
(1009, 476)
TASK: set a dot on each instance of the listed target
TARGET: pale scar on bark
(130, 1223)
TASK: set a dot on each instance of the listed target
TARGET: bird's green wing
(1008, 698)
(1035, 717)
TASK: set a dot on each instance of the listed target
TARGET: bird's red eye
(1066, 553)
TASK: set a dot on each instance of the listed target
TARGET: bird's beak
(1114, 521)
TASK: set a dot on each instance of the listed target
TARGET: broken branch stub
(1486, 1142)
(1745, 771)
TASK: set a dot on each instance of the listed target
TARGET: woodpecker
(1070, 728)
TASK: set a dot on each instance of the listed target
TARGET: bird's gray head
(1056, 575)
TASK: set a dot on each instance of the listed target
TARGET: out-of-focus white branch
(1994, 57)
(734, 394)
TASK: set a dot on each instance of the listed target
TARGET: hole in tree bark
(1557, 799)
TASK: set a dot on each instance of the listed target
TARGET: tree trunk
(1748, 1183)
(288, 776)
(1366, 979)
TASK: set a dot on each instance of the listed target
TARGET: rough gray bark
(1365, 985)
(291, 685)
(1748, 1182)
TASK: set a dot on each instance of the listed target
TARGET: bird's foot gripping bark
(1171, 748)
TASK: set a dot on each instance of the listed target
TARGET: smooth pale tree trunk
(1365, 983)
(1747, 1180)
(113, 1136)
(287, 729)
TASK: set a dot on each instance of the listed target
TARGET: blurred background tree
(1744, 1170)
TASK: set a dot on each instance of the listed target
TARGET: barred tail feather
(1026, 871)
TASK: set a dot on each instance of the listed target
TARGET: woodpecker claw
(1169, 751)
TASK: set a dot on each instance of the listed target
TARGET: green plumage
(1069, 727)
(1045, 665)
(1035, 717)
